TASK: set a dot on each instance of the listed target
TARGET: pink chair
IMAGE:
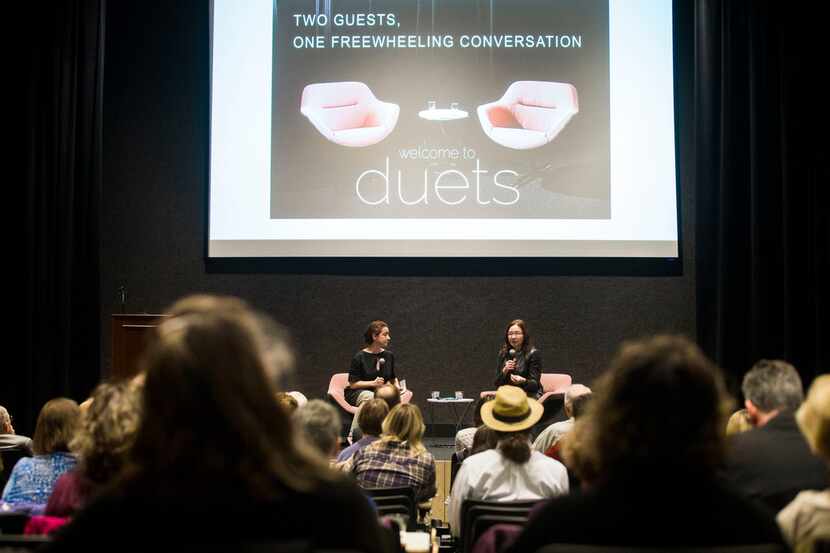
(337, 386)
(530, 114)
(347, 113)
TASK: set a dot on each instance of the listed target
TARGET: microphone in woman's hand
(382, 361)
(512, 353)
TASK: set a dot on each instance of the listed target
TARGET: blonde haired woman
(807, 517)
(399, 458)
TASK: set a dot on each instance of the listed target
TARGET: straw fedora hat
(511, 411)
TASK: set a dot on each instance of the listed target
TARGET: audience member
(464, 437)
(738, 422)
(12, 446)
(215, 460)
(399, 458)
(32, 479)
(288, 402)
(485, 438)
(772, 462)
(9, 441)
(649, 446)
(319, 423)
(387, 392)
(106, 432)
(370, 421)
(579, 406)
(807, 517)
(512, 471)
(550, 435)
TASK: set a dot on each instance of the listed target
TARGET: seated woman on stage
(371, 367)
(520, 364)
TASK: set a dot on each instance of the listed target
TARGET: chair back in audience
(13, 523)
(10, 458)
(582, 548)
(391, 501)
(18, 543)
(477, 516)
(455, 464)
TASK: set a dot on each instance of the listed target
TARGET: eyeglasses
(515, 333)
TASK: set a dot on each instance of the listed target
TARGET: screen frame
(467, 266)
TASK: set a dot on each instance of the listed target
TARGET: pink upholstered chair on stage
(338, 384)
(348, 114)
(530, 114)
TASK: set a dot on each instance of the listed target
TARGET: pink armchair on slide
(337, 386)
(348, 114)
(530, 114)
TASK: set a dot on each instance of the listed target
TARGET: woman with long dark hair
(647, 451)
(216, 460)
(520, 363)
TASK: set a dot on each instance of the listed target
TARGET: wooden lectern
(129, 337)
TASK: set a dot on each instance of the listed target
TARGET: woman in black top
(373, 366)
(520, 364)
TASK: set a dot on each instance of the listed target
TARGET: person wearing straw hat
(512, 471)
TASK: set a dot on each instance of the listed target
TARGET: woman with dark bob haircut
(216, 463)
(647, 450)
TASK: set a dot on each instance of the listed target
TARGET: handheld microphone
(512, 353)
(381, 361)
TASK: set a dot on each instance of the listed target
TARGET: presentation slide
(442, 128)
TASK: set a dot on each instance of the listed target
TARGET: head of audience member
(209, 415)
(56, 426)
(371, 416)
(404, 423)
(5, 422)
(319, 422)
(626, 430)
(771, 387)
(107, 429)
(272, 339)
(738, 422)
(287, 402)
(579, 405)
(512, 415)
(485, 438)
(571, 394)
(389, 393)
(813, 417)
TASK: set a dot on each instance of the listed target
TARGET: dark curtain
(57, 327)
(761, 198)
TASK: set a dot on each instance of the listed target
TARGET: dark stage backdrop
(445, 330)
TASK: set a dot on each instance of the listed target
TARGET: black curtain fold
(58, 333)
(762, 237)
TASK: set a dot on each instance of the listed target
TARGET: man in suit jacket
(772, 462)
